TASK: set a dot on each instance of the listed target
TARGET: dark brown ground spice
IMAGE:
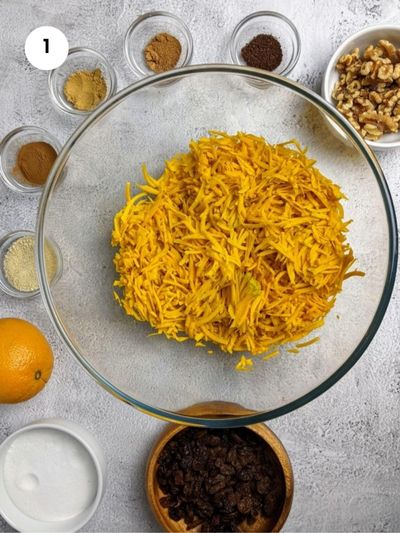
(263, 51)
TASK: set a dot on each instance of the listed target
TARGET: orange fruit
(26, 360)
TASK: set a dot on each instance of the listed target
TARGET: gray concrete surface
(345, 446)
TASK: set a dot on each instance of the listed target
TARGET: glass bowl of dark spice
(266, 40)
(236, 479)
(156, 42)
(27, 155)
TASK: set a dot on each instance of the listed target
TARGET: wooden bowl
(214, 410)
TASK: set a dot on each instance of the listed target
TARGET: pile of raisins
(219, 478)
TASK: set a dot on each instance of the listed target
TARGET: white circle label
(46, 48)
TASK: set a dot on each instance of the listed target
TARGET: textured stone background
(345, 446)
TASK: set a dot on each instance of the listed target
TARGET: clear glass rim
(128, 55)
(13, 183)
(273, 14)
(320, 103)
(110, 72)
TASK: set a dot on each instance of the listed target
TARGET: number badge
(46, 48)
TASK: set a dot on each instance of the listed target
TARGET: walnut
(383, 64)
(388, 48)
(355, 124)
(367, 92)
(375, 97)
(396, 71)
(365, 104)
(385, 72)
(372, 132)
(390, 123)
(372, 52)
(348, 59)
(350, 76)
(390, 94)
(381, 87)
(366, 68)
(366, 82)
(390, 101)
(346, 106)
(354, 86)
(380, 120)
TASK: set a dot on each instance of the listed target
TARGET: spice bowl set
(26, 157)
(155, 42)
(239, 476)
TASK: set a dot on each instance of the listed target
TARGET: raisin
(217, 479)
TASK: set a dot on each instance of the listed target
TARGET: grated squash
(238, 242)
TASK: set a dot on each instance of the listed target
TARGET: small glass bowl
(79, 59)
(9, 148)
(270, 23)
(5, 243)
(144, 28)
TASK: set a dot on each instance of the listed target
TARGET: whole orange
(26, 360)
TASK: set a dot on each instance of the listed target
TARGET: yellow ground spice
(85, 89)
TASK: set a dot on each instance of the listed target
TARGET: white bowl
(361, 40)
(25, 467)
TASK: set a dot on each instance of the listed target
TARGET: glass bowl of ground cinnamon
(27, 155)
(83, 82)
(156, 42)
(266, 40)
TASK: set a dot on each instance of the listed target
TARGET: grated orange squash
(238, 242)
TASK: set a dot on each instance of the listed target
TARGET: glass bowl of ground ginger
(84, 81)
(220, 244)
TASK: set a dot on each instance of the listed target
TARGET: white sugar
(49, 475)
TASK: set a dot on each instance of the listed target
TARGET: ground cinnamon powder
(85, 89)
(162, 52)
(34, 161)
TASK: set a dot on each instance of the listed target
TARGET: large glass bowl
(149, 122)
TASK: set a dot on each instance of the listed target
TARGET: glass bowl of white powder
(18, 275)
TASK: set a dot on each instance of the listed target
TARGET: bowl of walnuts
(362, 80)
